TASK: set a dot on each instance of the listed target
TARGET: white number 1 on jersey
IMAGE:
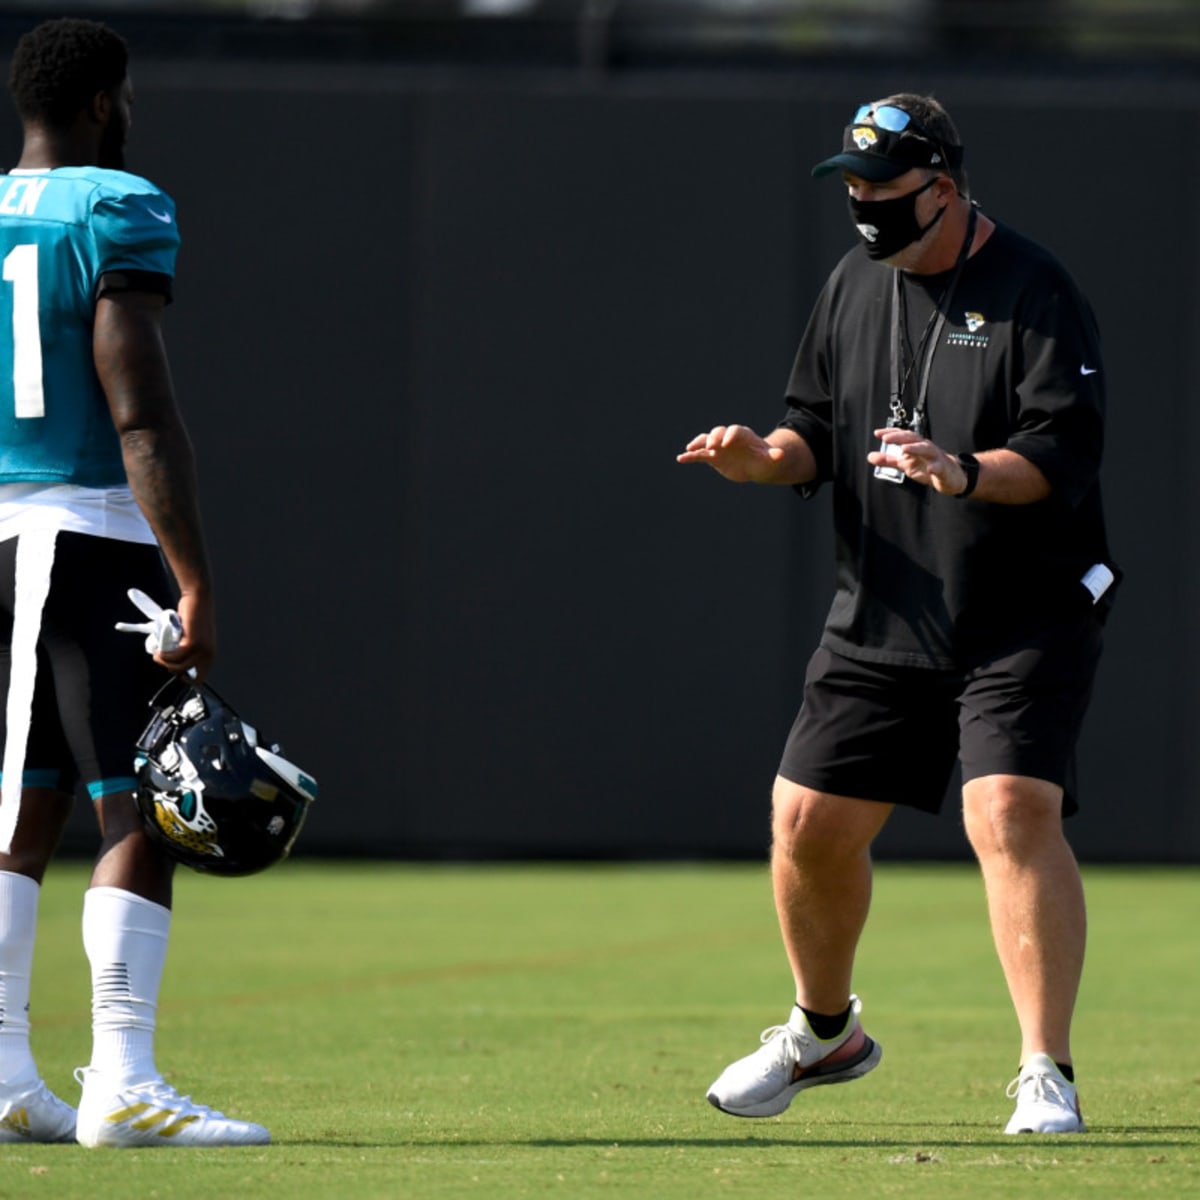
(21, 270)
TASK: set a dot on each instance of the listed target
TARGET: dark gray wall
(439, 337)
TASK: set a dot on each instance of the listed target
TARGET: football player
(97, 487)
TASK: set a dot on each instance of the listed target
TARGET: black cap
(879, 154)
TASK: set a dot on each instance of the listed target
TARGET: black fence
(439, 334)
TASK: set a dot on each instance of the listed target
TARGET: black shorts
(892, 734)
(92, 684)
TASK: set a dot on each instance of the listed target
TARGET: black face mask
(887, 226)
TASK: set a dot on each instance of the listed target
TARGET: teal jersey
(60, 231)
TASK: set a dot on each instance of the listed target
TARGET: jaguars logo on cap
(864, 137)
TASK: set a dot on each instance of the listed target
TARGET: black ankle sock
(824, 1025)
(1068, 1071)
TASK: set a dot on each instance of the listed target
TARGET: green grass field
(550, 1031)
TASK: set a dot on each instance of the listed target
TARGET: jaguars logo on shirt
(972, 339)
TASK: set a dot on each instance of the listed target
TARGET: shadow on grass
(1109, 1138)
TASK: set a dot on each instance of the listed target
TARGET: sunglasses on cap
(891, 118)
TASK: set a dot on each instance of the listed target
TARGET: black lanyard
(928, 343)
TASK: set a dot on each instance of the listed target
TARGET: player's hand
(181, 641)
(921, 460)
(198, 646)
(736, 452)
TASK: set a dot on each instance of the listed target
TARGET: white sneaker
(1046, 1101)
(791, 1059)
(154, 1114)
(35, 1115)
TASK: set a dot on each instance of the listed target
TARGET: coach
(949, 388)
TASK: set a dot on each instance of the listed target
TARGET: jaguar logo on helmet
(183, 821)
(864, 137)
(209, 792)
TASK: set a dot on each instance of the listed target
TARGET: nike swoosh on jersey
(165, 218)
(1088, 370)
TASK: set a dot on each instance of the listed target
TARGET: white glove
(163, 630)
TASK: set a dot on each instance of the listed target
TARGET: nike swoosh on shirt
(1088, 370)
(165, 218)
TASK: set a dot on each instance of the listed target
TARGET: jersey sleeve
(135, 231)
(1060, 393)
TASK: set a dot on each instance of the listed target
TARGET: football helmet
(210, 792)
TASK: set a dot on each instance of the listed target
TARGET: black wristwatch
(970, 466)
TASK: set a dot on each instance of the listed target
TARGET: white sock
(125, 937)
(18, 921)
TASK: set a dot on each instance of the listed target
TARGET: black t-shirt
(929, 580)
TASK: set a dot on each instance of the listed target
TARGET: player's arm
(131, 362)
(741, 455)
